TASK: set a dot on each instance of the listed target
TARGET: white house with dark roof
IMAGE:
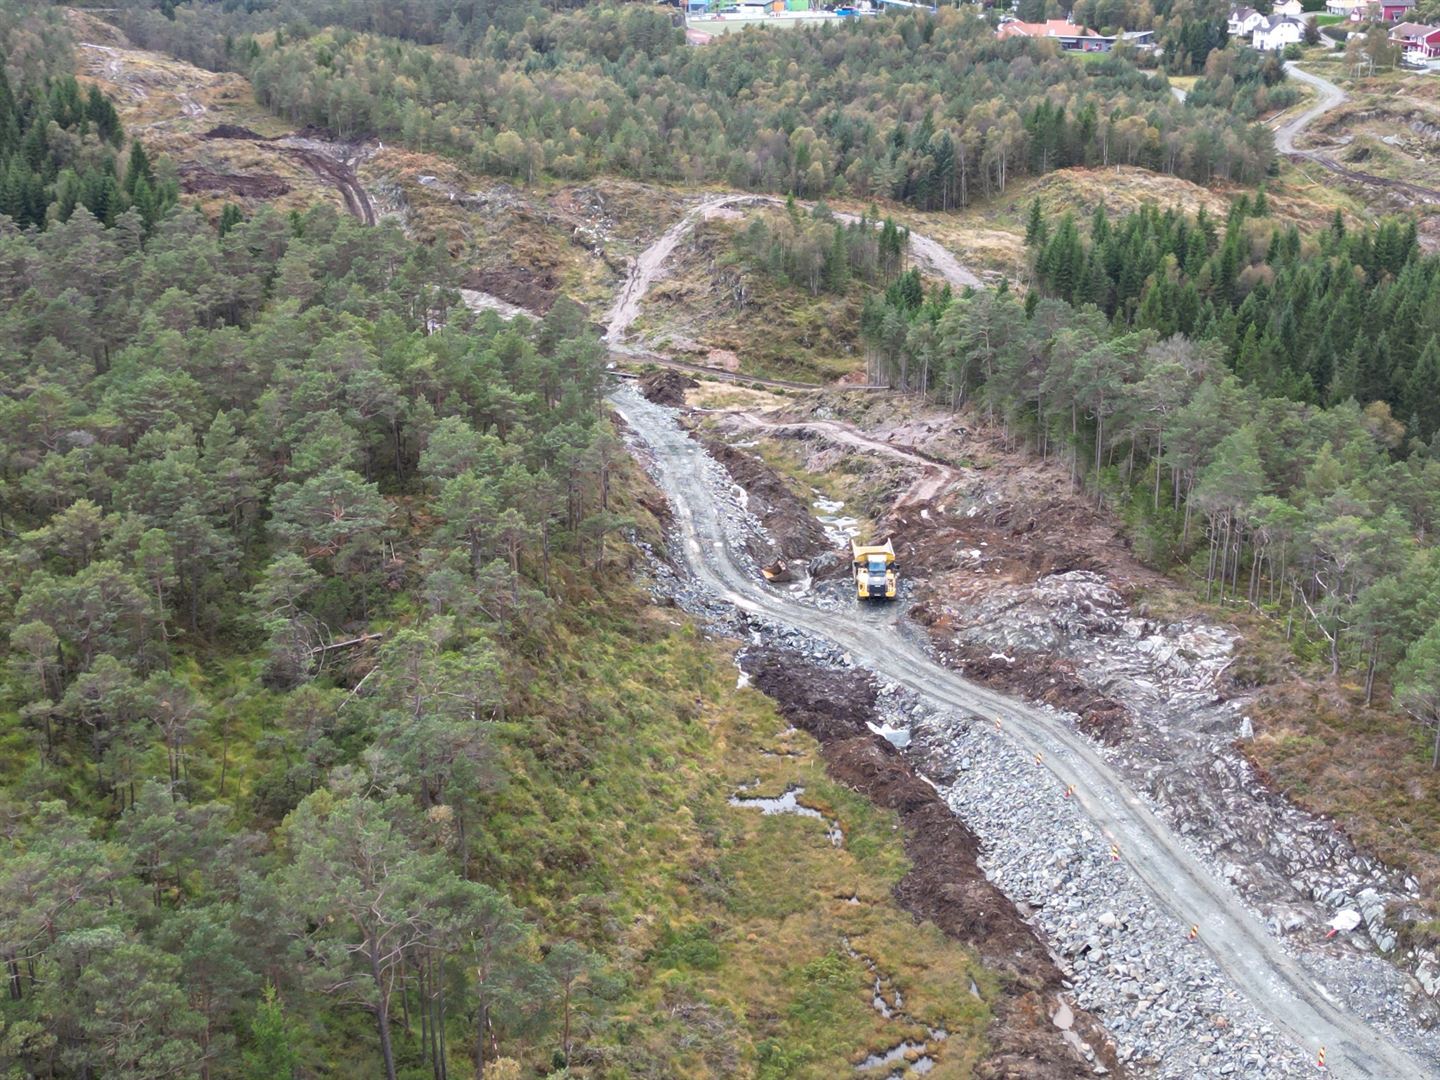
(1277, 31)
(1243, 21)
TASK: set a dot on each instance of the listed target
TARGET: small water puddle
(788, 803)
(898, 737)
(908, 1053)
(909, 1057)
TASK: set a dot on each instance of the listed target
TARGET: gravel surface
(1172, 1008)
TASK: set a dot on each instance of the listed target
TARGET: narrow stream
(908, 1057)
(839, 528)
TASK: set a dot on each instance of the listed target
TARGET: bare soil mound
(233, 131)
(525, 288)
(786, 516)
(196, 178)
(667, 387)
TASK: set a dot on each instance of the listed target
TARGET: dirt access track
(1181, 884)
(204, 120)
(650, 265)
(333, 162)
(1332, 97)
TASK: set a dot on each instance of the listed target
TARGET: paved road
(1181, 884)
(1331, 96)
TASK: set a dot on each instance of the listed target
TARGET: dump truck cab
(875, 571)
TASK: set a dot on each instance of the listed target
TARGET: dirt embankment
(197, 178)
(967, 546)
(1033, 1034)
(533, 290)
(797, 535)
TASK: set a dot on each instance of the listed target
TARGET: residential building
(1243, 21)
(1382, 11)
(1277, 31)
(1071, 37)
(1292, 8)
(1416, 41)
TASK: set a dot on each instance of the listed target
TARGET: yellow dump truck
(875, 575)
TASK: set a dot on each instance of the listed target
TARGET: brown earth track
(338, 172)
(1424, 194)
(945, 883)
(1332, 97)
(341, 175)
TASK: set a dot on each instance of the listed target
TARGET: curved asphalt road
(1255, 962)
(1331, 96)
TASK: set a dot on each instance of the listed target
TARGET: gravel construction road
(1271, 980)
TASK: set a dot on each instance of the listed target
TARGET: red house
(1383, 10)
(1416, 41)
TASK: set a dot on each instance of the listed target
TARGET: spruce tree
(1035, 227)
(1422, 390)
(138, 168)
